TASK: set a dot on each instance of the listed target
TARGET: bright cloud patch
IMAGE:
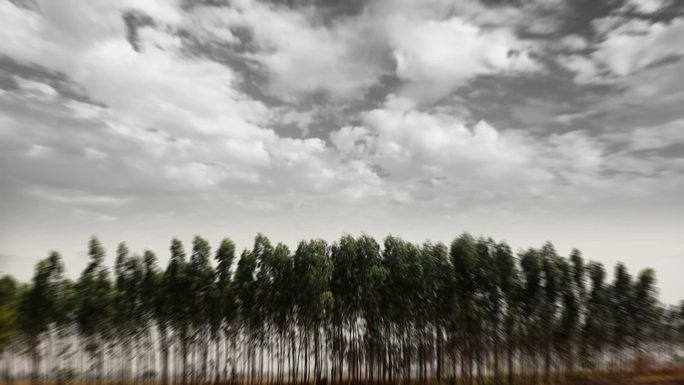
(635, 45)
(436, 56)
(167, 116)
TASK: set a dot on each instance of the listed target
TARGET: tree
(312, 269)
(94, 309)
(8, 297)
(283, 301)
(222, 309)
(509, 284)
(200, 276)
(245, 292)
(463, 255)
(644, 311)
(488, 303)
(10, 293)
(549, 305)
(345, 288)
(150, 289)
(596, 329)
(622, 296)
(358, 311)
(178, 297)
(436, 297)
(39, 306)
(532, 298)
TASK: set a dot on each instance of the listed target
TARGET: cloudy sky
(527, 121)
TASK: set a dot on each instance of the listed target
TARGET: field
(668, 376)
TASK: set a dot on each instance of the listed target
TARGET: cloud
(300, 54)
(176, 123)
(180, 122)
(412, 41)
(636, 45)
(625, 46)
(436, 56)
(646, 6)
(586, 71)
(427, 154)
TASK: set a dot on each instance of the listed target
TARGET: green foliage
(40, 304)
(9, 294)
(394, 313)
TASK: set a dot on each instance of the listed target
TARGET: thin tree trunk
(35, 361)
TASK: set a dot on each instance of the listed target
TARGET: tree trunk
(184, 356)
(496, 353)
(510, 362)
(164, 356)
(35, 360)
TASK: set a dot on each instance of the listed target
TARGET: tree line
(350, 312)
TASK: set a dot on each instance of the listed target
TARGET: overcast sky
(140, 120)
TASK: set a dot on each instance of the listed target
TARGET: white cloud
(636, 44)
(646, 6)
(344, 57)
(178, 122)
(300, 54)
(425, 153)
(175, 122)
(35, 89)
(586, 70)
(437, 56)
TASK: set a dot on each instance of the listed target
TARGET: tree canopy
(351, 311)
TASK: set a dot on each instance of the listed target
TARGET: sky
(527, 121)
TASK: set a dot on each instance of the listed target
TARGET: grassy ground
(671, 376)
(653, 377)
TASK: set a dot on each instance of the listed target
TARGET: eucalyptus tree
(201, 283)
(283, 303)
(352, 310)
(133, 293)
(549, 303)
(596, 328)
(488, 300)
(575, 299)
(94, 308)
(644, 311)
(508, 281)
(263, 252)
(669, 335)
(150, 288)
(401, 261)
(372, 276)
(222, 309)
(312, 269)
(177, 298)
(39, 306)
(10, 292)
(463, 255)
(622, 294)
(569, 313)
(163, 306)
(245, 289)
(65, 331)
(438, 293)
(532, 298)
(345, 287)
(126, 304)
